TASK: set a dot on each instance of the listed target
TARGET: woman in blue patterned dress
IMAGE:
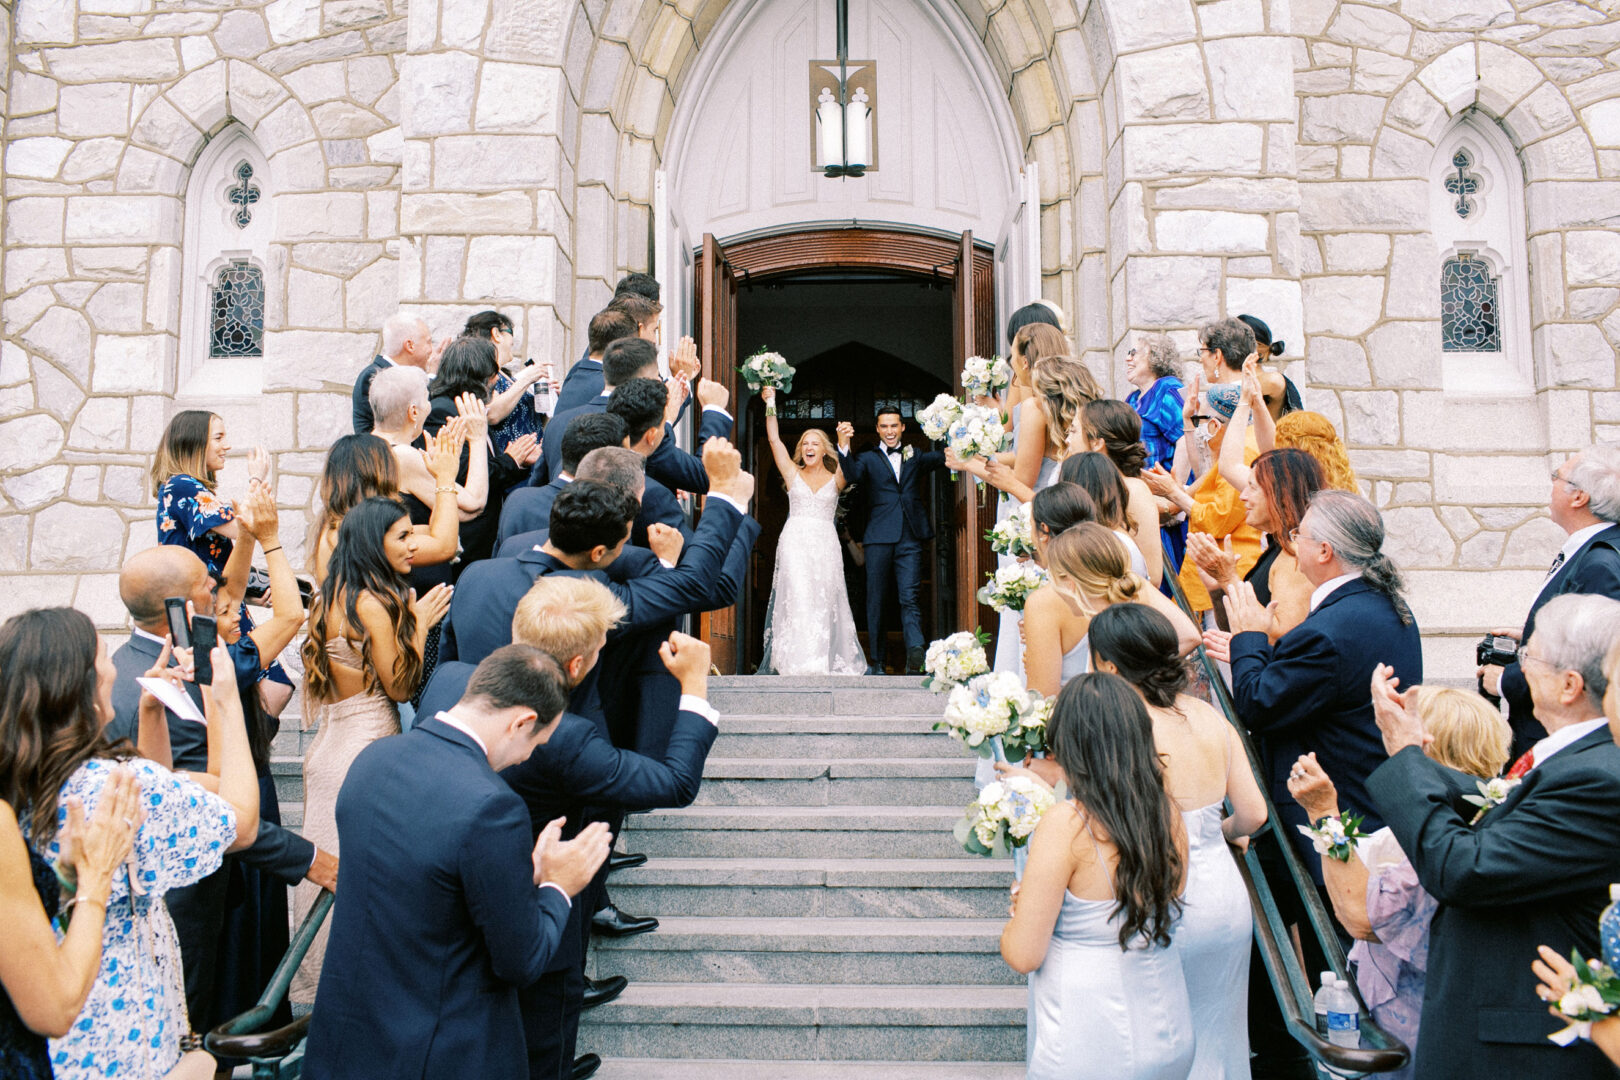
(58, 687)
(1157, 399)
(513, 409)
(184, 474)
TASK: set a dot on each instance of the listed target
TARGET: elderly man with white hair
(1585, 504)
(406, 342)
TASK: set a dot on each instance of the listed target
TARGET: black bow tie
(892, 450)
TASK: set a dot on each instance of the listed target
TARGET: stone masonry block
(1346, 305)
(69, 537)
(1211, 231)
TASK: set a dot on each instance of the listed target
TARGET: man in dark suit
(406, 342)
(448, 905)
(1585, 504)
(529, 508)
(897, 527)
(590, 524)
(1535, 870)
(584, 379)
(198, 910)
(569, 618)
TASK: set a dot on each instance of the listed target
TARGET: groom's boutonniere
(1491, 793)
(907, 453)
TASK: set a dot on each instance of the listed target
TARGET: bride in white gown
(809, 629)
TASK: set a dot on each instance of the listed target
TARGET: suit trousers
(198, 914)
(901, 562)
(551, 1011)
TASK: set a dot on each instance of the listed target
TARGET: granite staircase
(817, 917)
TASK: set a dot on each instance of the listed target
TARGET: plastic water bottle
(1324, 990)
(1343, 1016)
(1609, 927)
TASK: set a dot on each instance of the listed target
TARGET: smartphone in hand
(203, 635)
(175, 608)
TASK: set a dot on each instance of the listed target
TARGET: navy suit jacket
(1311, 693)
(488, 591)
(892, 504)
(1595, 568)
(527, 509)
(681, 470)
(361, 395)
(438, 920)
(583, 382)
(1534, 871)
(277, 851)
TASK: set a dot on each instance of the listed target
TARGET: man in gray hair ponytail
(1311, 691)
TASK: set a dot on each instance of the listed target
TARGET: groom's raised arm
(850, 465)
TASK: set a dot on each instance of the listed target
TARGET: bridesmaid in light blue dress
(1093, 918)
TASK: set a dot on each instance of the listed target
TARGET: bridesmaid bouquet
(977, 432)
(937, 418)
(953, 660)
(768, 369)
(1029, 737)
(1594, 993)
(986, 707)
(1002, 818)
(1014, 534)
(983, 378)
(1009, 586)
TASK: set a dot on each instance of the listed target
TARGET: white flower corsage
(1593, 995)
(1335, 837)
(1491, 793)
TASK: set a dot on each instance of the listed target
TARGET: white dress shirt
(896, 461)
(1327, 588)
(693, 703)
(1564, 736)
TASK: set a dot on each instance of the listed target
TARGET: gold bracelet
(442, 490)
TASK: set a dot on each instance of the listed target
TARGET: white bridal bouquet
(1009, 586)
(984, 708)
(768, 369)
(982, 378)
(937, 418)
(953, 660)
(977, 432)
(1014, 534)
(1004, 815)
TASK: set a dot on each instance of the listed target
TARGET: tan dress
(346, 728)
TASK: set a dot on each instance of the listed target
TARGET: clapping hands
(524, 450)
(476, 415)
(1244, 612)
(1396, 712)
(570, 865)
(433, 607)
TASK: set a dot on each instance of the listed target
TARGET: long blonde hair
(828, 459)
(1094, 558)
(1063, 386)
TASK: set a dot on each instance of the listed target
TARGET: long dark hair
(48, 720)
(1143, 645)
(1288, 478)
(360, 565)
(357, 467)
(184, 449)
(1100, 477)
(1102, 737)
(1120, 429)
(466, 368)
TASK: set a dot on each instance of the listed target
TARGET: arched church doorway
(871, 317)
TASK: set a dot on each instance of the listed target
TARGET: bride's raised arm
(784, 460)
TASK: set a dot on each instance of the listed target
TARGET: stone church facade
(1363, 175)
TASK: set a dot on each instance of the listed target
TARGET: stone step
(824, 696)
(292, 816)
(815, 887)
(779, 951)
(860, 832)
(802, 781)
(859, 1022)
(674, 1069)
(828, 738)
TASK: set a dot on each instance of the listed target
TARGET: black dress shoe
(623, 860)
(602, 991)
(615, 923)
(914, 661)
(586, 1065)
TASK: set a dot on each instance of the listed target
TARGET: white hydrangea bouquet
(976, 432)
(952, 661)
(1014, 534)
(981, 710)
(937, 418)
(768, 369)
(983, 378)
(1003, 817)
(1009, 586)
(1029, 735)
(1594, 994)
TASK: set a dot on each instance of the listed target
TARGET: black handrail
(240, 1037)
(1283, 967)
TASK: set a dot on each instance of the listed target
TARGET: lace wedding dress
(809, 629)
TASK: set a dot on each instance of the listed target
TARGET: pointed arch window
(1480, 277)
(236, 303)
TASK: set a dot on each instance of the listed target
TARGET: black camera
(1496, 649)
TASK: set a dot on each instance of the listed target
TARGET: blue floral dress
(187, 514)
(521, 421)
(132, 1023)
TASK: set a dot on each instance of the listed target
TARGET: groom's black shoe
(623, 860)
(585, 1066)
(914, 660)
(615, 923)
(602, 991)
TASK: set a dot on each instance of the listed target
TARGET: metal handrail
(240, 1037)
(1283, 967)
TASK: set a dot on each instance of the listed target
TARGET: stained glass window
(243, 195)
(236, 303)
(1470, 318)
(1463, 185)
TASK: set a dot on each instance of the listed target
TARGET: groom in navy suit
(897, 527)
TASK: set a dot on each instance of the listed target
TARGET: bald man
(199, 910)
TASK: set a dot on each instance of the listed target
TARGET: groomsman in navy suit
(897, 527)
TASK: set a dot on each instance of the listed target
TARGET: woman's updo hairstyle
(1120, 428)
(1143, 645)
(1061, 506)
(1094, 558)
